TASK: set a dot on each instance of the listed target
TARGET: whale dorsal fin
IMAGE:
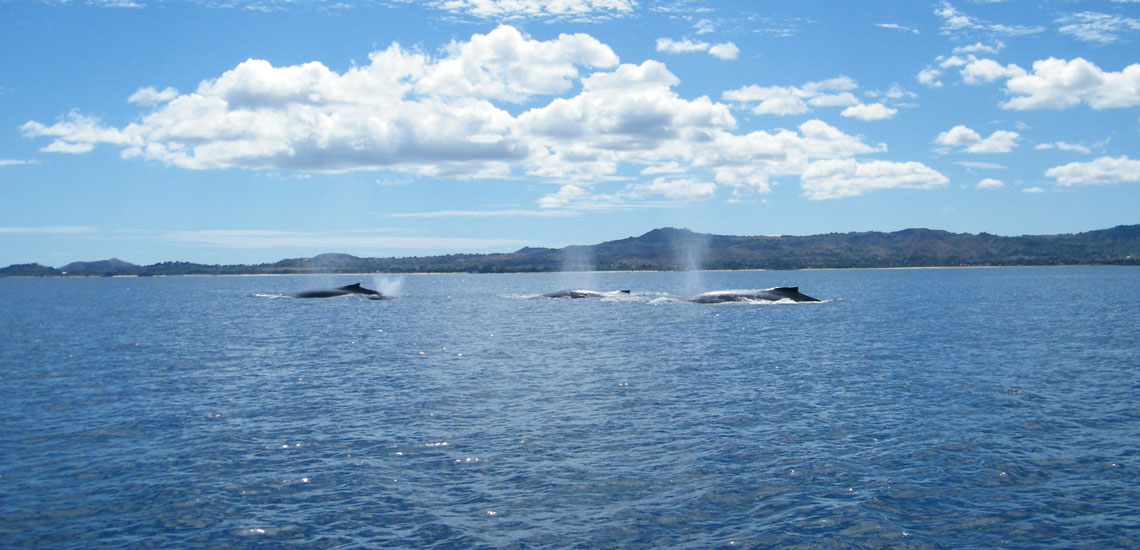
(350, 287)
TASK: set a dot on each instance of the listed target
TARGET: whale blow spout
(340, 291)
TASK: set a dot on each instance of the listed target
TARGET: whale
(773, 294)
(583, 293)
(340, 291)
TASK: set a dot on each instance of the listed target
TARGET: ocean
(925, 408)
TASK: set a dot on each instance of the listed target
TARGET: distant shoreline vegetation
(670, 249)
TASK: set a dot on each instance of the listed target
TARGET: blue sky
(242, 132)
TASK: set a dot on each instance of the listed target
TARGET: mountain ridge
(669, 248)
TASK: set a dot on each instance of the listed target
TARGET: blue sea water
(937, 408)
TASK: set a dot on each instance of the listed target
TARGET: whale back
(768, 294)
(578, 293)
(354, 288)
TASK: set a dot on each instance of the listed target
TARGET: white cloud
(981, 165)
(14, 162)
(560, 9)
(1060, 84)
(990, 183)
(979, 71)
(726, 50)
(151, 96)
(952, 19)
(894, 92)
(77, 133)
(668, 45)
(794, 100)
(660, 192)
(686, 190)
(1095, 27)
(403, 110)
(566, 195)
(410, 113)
(1102, 171)
(929, 77)
(979, 47)
(897, 27)
(631, 114)
(671, 167)
(1063, 146)
(1001, 141)
(836, 178)
(505, 64)
(749, 162)
(874, 111)
(956, 23)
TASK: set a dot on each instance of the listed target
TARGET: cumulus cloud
(1060, 84)
(1100, 28)
(980, 71)
(1001, 141)
(873, 111)
(929, 77)
(725, 50)
(586, 120)
(1102, 171)
(505, 64)
(972, 69)
(990, 183)
(1052, 84)
(836, 178)
(404, 109)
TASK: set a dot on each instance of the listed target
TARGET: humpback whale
(767, 294)
(583, 294)
(340, 291)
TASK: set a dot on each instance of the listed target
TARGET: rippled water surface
(912, 409)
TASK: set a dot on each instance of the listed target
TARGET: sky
(219, 131)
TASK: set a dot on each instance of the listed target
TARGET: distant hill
(114, 266)
(28, 270)
(670, 249)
